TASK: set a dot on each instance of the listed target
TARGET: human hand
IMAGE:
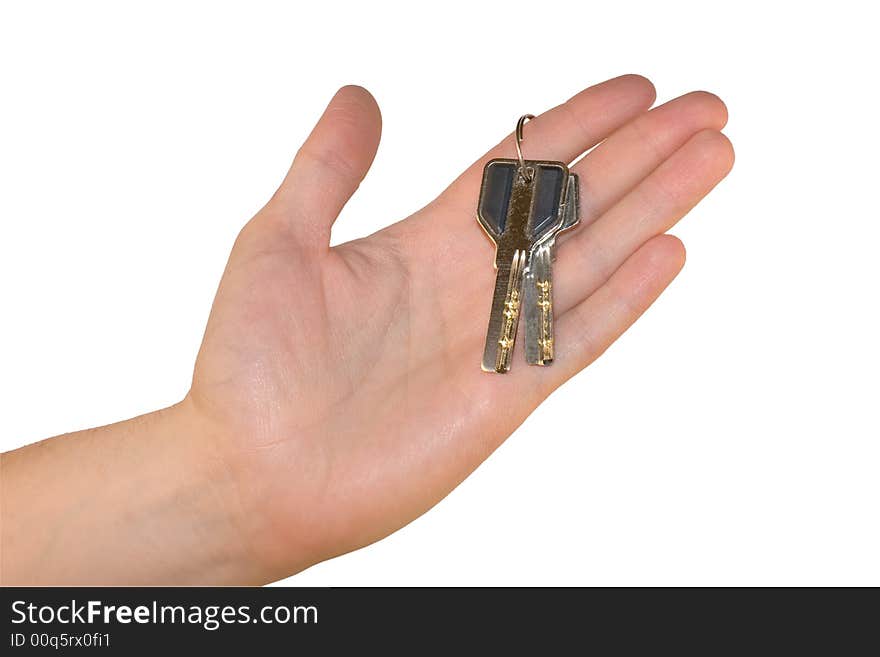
(338, 392)
(342, 386)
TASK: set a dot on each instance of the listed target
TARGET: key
(538, 285)
(519, 208)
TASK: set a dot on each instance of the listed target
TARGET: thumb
(330, 165)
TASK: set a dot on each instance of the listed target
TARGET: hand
(346, 382)
(338, 392)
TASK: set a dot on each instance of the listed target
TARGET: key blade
(538, 302)
(538, 284)
(504, 318)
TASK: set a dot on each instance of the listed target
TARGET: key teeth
(498, 351)
(545, 303)
(539, 308)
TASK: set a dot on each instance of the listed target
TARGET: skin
(337, 394)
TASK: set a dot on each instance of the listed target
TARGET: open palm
(345, 384)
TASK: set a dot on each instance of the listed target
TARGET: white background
(731, 437)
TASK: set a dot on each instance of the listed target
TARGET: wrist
(144, 501)
(205, 485)
(265, 540)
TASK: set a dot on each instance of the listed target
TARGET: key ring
(523, 171)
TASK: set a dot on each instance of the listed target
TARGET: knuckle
(329, 161)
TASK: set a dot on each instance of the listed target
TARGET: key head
(518, 209)
(572, 210)
(495, 193)
(549, 182)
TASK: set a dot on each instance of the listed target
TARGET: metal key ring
(526, 175)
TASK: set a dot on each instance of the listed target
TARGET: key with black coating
(520, 208)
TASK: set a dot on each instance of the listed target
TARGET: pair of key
(523, 206)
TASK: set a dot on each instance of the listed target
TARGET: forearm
(138, 502)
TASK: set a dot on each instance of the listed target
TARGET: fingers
(565, 131)
(588, 329)
(607, 173)
(330, 165)
(631, 153)
(592, 255)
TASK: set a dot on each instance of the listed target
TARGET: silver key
(538, 285)
(520, 209)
